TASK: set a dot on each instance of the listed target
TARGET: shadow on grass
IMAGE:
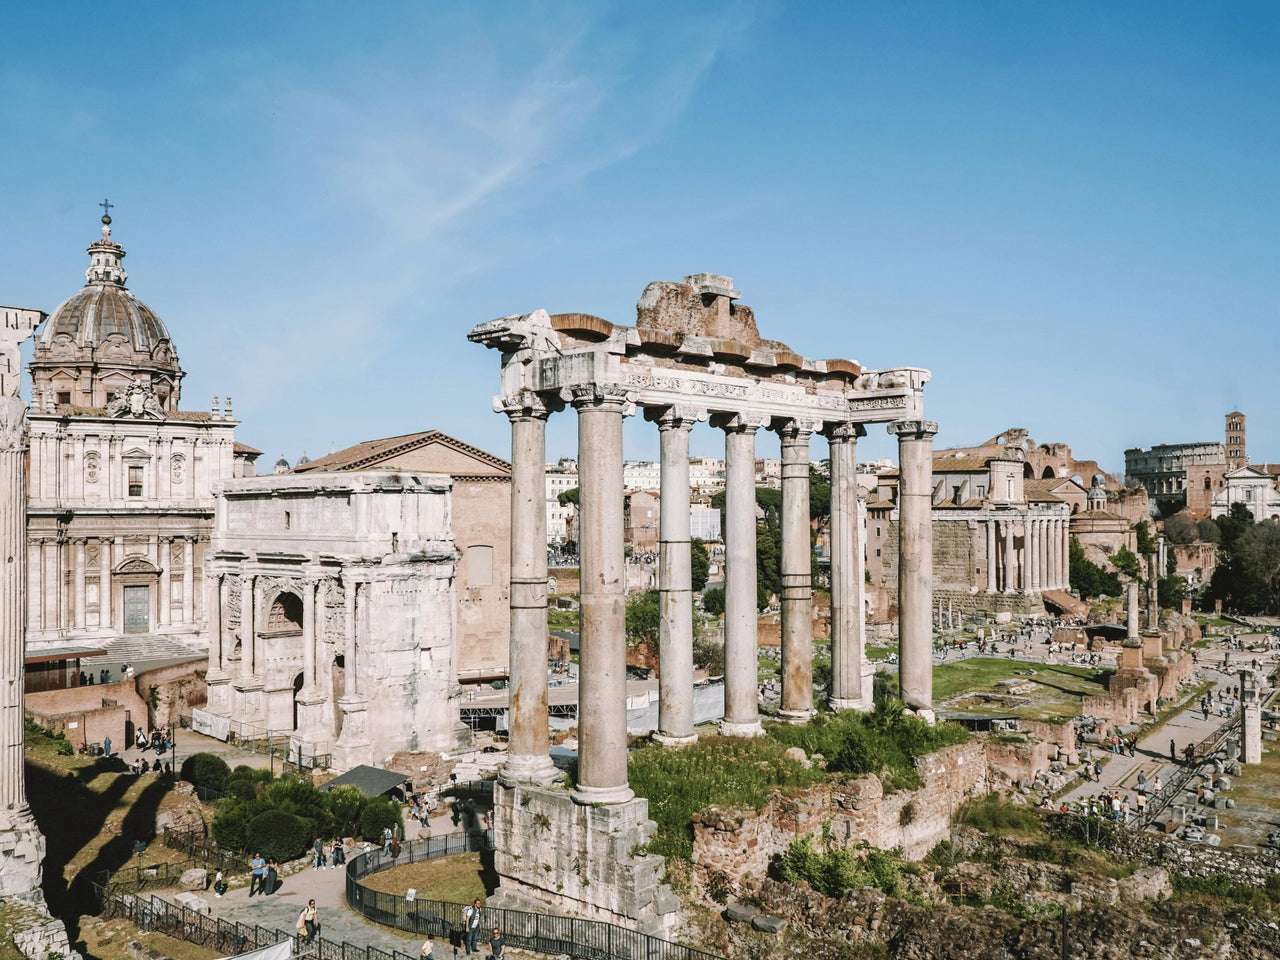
(71, 815)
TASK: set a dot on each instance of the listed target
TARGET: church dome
(101, 341)
(104, 306)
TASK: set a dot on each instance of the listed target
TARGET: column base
(797, 716)
(731, 728)
(674, 740)
(537, 771)
(925, 714)
(586, 796)
(22, 850)
(843, 703)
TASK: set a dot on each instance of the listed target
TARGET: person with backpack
(471, 923)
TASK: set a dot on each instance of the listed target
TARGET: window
(135, 481)
(287, 520)
(64, 397)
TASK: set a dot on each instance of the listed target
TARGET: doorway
(137, 609)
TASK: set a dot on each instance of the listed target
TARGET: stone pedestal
(353, 746)
(555, 854)
(218, 692)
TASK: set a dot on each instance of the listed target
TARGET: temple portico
(693, 355)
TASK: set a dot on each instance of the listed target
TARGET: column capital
(844, 432)
(608, 396)
(739, 422)
(676, 417)
(795, 430)
(527, 405)
(913, 429)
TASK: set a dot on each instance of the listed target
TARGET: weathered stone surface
(194, 879)
(1146, 883)
(768, 924)
(737, 912)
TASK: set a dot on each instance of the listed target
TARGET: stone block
(197, 878)
(192, 902)
(737, 912)
(767, 924)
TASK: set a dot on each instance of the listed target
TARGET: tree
(699, 564)
(768, 564)
(1125, 561)
(643, 616)
(713, 601)
(1207, 531)
(1180, 528)
(819, 494)
(1240, 512)
(1146, 543)
(1089, 578)
(568, 496)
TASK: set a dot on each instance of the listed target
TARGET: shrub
(231, 826)
(206, 770)
(291, 795)
(378, 814)
(278, 834)
(346, 804)
(831, 872)
(244, 782)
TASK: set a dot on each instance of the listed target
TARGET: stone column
(602, 685)
(993, 565)
(741, 702)
(847, 616)
(248, 634)
(1153, 596)
(165, 553)
(797, 566)
(675, 590)
(1132, 611)
(528, 761)
(21, 845)
(1066, 554)
(188, 582)
(78, 559)
(349, 591)
(1010, 558)
(308, 635)
(915, 562)
(104, 585)
(1033, 554)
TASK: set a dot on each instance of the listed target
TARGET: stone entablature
(348, 582)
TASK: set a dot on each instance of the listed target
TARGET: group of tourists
(319, 849)
(1119, 745)
(157, 740)
(264, 875)
(1108, 806)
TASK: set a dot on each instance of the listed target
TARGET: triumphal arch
(693, 355)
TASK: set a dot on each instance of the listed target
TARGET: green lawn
(1059, 687)
(876, 651)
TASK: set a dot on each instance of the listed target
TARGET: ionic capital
(676, 417)
(611, 397)
(844, 432)
(527, 405)
(913, 429)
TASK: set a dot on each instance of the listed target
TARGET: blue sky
(1067, 211)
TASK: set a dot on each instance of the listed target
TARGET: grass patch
(885, 742)
(728, 771)
(558, 619)
(1057, 697)
(876, 651)
(458, 879)
(995, 818)
(831, 872)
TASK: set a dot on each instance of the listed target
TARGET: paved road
(1120, 771)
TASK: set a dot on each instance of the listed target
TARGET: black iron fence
(224, 936)
(136, 878)
(207, 853)
(564, 936)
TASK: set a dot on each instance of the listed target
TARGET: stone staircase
(144, 647)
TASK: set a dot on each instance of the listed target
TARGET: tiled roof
(371, 453)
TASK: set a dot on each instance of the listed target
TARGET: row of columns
(602, 733)
(1041, 563)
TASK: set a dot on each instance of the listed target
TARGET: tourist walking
(318, 860)
(272, 876)
(258, 872)
(496, 944)
(309, 921)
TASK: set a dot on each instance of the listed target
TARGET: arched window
(286, 614)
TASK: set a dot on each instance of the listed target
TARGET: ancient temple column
(528, 731)
(915, 561)
(602, 685)
(188, 581)
(1153, 595)
(165, 552)
(1132, 611)
(741, 703)
(1010, 557)
(797, 567)
(217, 655)
(21, 845)
(675, 590)
(1033, 554)
(847, 618)
(993, 567)
(105, 611)
(1066, 554)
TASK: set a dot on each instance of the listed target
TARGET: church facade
(121, 501)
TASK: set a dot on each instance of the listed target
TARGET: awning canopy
(63, 653)
(371, 781)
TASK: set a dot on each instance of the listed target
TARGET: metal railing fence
(541, 933)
